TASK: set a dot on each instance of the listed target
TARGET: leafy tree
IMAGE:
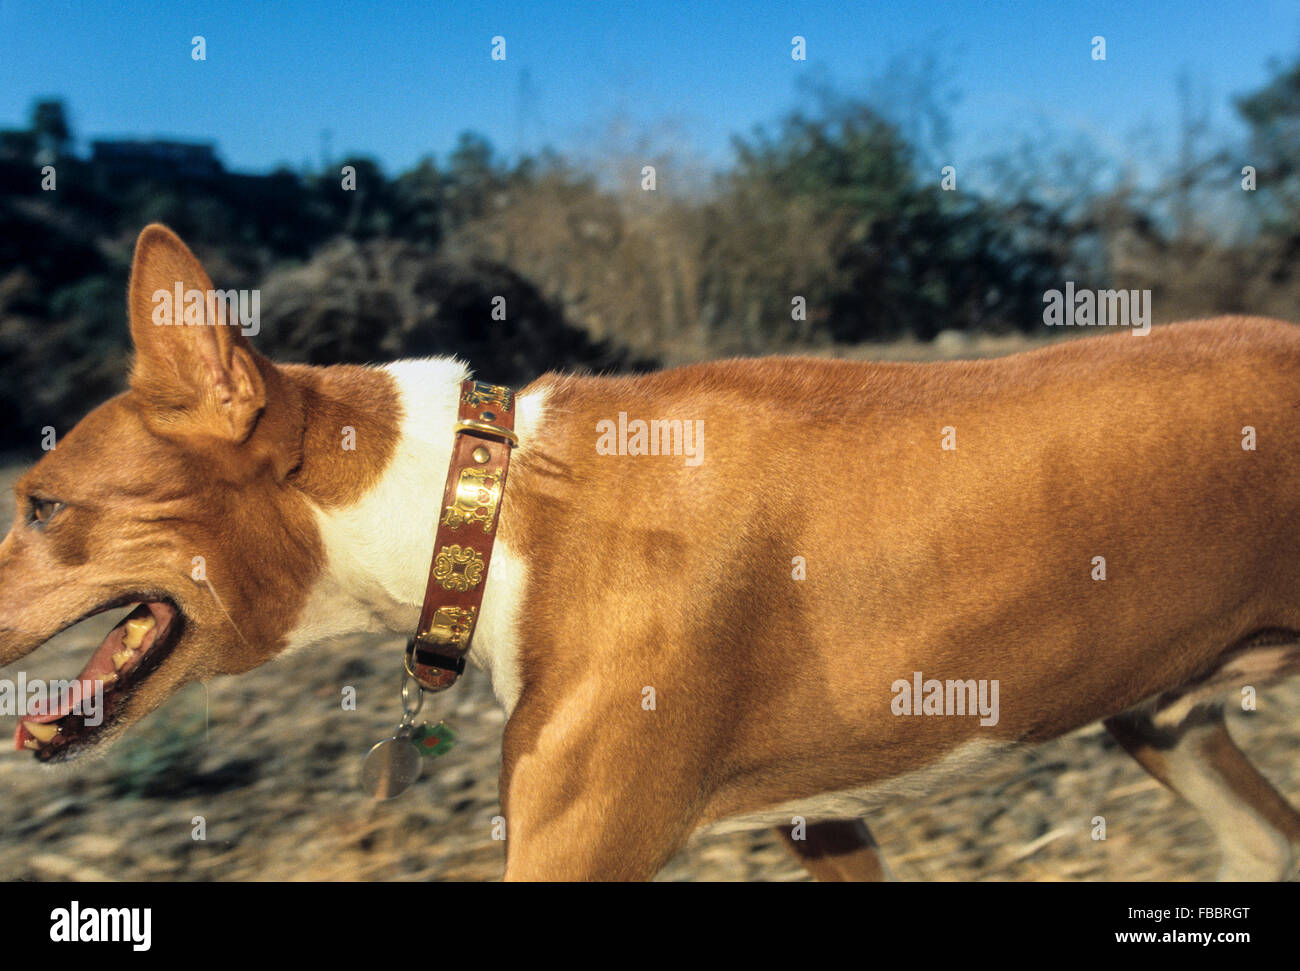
(473, 176)
(419, 204)
(901, 255)
(1273, 116)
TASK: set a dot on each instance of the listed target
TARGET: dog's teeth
(108, 679)
(121, 657)
(136, 628)
(42, 731)
(32, 744)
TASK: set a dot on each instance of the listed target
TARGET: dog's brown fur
(972, 563)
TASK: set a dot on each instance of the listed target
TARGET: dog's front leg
(591, 792)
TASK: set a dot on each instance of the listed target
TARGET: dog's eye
(42, 510)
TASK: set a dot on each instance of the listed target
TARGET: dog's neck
(377, 550)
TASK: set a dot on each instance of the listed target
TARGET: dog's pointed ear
(193, 368)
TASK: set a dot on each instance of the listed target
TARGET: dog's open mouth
(129, 654)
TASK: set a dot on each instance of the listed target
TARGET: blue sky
(400, 80)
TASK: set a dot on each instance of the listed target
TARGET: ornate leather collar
(471, 504)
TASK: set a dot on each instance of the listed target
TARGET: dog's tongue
(101, 664)
(62, 704)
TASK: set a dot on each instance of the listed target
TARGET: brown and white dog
(1104, 529)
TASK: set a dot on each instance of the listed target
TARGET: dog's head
(182, 496)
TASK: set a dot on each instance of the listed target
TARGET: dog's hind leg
(1191, 752)
(838, 850)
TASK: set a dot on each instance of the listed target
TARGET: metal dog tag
(390, 767)
(394, 763)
